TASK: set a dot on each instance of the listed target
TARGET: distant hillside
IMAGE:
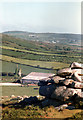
(20, 51)
(11, 41)
(69, 39)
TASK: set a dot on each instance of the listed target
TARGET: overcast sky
(61, 17)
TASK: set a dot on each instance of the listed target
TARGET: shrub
(10, 74)
(4, 73)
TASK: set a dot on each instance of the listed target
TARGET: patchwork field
(41, 64)
(10, 67)
(38, 56)
(60, 56)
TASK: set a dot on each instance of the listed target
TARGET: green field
(19, 91)
(10, 67)
(36, 53)
(37, 56)
(41, 64)
(61, 56)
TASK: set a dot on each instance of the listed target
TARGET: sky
(53, 17)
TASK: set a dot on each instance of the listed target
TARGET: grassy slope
(10, 67)
(55, 65)
(19, 91)
(65, 57)
(20, 43)
(34, 45)
(36, 53)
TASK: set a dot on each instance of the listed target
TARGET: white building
(35, 77)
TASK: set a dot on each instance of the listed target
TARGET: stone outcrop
(65, 85)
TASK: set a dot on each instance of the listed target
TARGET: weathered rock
(61, 107)
(72, 83)
(20, 98)
(77, 77)
(47, 90)
(25, 96)
(12, 96)
(64, 72)
(77, 85)
(57, 79)
(66, 81)
(58, 93)
(47, 102)
(42, 83)
(81, 95)
(76, 65)
(67, 85)
(45, 81)
(79, 71)
(62, 93)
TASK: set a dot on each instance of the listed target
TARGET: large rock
(66, 85)
(47, 90)
(71, 83)
(64, 72)
(76, 65)
(62, 93)
(42, 83)
(78, 85)
(77, 77)
(79, 71)
(66, 81)
(57, 79)
(53, 102)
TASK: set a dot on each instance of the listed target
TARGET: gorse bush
(28, 112)
(79, 105)
(78, 116)
(12, 112)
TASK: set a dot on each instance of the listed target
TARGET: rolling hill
(36, 54)
(47, 37)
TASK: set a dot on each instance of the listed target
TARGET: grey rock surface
(76, 65)
(68, 83)
(62, 93)
(64, 72)
(61, 107)
(57, 79)
(47, 90)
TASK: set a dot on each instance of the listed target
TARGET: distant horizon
(39, 32)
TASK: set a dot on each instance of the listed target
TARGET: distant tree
(68, 48)
(16, 76)
(19, 72)
(57, 47)
(16, 70)
(64, 48)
